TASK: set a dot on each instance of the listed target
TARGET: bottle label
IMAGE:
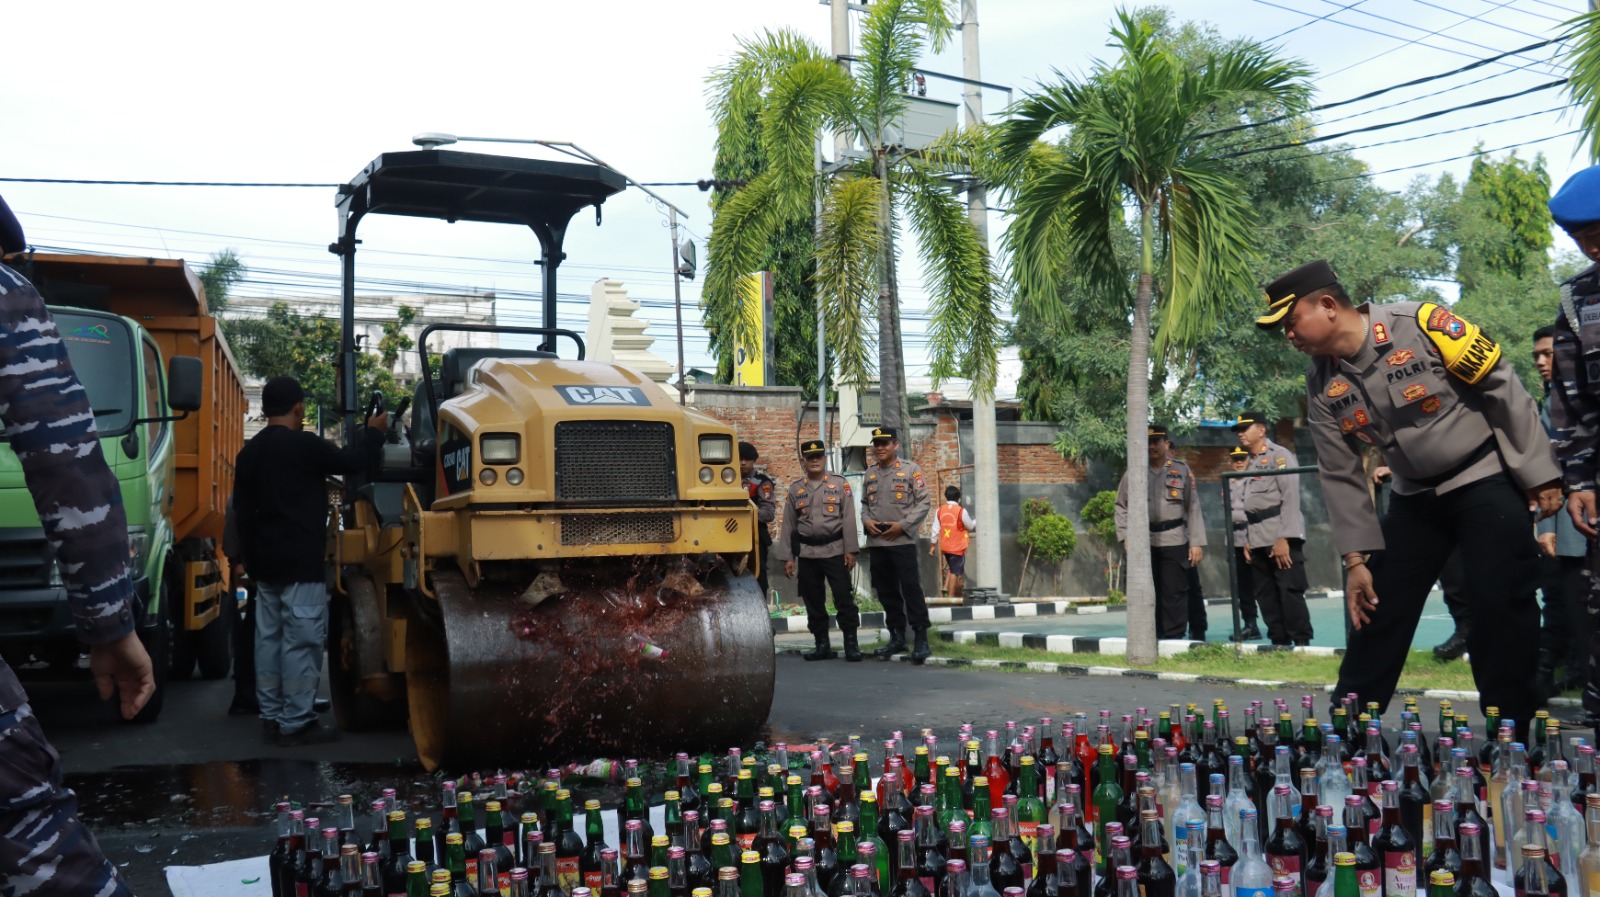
(591, 880)
(472, 868)
(1227, 873)
(1593, 879)
(1050, 781)
(1369, 882)
(1029, 833)
(746, 842)
(1399, 873)
(927, 882)
(1286, 867)
(301, 889)
(568, 875)
(1252, 892)
(502, 880)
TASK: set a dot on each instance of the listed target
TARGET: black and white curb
(1075, 644)
(1069, 669)
(874, 619)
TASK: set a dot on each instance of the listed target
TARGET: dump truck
(555, 557)
(170, 409)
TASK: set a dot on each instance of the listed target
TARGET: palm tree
(779, 92)
(1583, 85)
(1135, 149)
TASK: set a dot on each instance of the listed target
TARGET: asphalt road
(196, 787)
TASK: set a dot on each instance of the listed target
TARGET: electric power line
(163, 183)
(1498, 149)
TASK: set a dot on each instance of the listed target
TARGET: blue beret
(1577, 204)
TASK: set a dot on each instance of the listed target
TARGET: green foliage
(1583, 84)
(1033, 509)
(219, 276)
(1051, 538)
(1099, 517)
(306, 347)
(1512, 194)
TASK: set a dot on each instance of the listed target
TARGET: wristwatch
(1356, 561)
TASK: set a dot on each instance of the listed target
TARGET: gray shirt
(895, 493)
(1272, 503)
(1174, 507)
(1438, 426)
(817, 510)
(1236, 499)
(1569, 542)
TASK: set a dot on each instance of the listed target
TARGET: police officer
(45, 849)
(1275, 534)
(1244, 583)
(1462, 437)
(761, 488)
(894, 503)
(1177, 535)
(818, 537)
(1575, 395)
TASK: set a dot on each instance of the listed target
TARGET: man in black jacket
(280, 497)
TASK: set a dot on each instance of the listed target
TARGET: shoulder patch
(1465, 350)
(1380, 334)
(1338, 388)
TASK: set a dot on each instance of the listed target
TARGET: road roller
(555, 558)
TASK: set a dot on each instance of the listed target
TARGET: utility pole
(985, 453)
(839, 25)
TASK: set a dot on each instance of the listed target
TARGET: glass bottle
(1012, 842)
(995, 771)
(455, 860)
(1121, 855)
(1031, 810)
(1155, 875)
(1045, 876)
(1395, 847)
(1473, 880)
(488, 878)
(1306, 823)
(1369, 866)
(1191, 855)
(1252, 877)
(774, 853)
(1533, 877)
(1416, 811)
(867, 836)
(827, 866)
(1070, 840)
(1187, 808)
(1445, 854)
(1107, 795)
(1211, 879)
(930, 862)
(1127, 879)
(1286, 850)
(1218, 845)
(1004, 869)
(1371, 816)
(752, 877)
(1466, 811)
(1333, 783)
(807, 868)
(1564, 827)
(955, 880)
(978, 884)
(1238, 798)
(569, 846)
(1319, 860)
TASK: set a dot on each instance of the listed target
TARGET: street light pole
(677, 298)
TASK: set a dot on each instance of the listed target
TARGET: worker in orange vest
(954, 525)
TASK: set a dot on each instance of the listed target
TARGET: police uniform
(1272, 512)
(818, 531)
(1463, 440)
(896, 492)
(1575, 394)
(762, 491)
(45, 849)
(1244, 583)
(1175, 525)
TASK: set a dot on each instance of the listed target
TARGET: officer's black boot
(823, 650)
(921, 652)
(852, 650)
(897, 645)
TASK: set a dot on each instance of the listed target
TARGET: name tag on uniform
(1589, 314)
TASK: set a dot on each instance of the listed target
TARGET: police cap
(884, 434)
(747, 452)
(812, 447)
(1157, 432)
(1577, 204)
(1238, 453)
(1301, 282)
(1246, 418)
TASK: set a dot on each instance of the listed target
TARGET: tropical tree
(219, 276)
(1135, 148)
(779, 92)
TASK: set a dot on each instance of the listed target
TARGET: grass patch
(1422, 669)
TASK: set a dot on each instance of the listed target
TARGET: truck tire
(158, 640)
(213, 645)
(355, 662)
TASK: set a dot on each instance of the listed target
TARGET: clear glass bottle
(1508, 808)
(1238, 797)
(1564, 828)
(1252, 877)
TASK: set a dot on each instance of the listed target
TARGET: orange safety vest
(952, 531)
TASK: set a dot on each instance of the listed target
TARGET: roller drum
(587, 673)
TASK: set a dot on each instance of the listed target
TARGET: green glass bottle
(659, 886)
(1107, 795)
(948, 805)
(416, 879)
(845, 843)
(750, 874)
(1031, 810)
(981, 810)
(867, 833)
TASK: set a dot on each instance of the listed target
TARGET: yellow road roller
(555, 558)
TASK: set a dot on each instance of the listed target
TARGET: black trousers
(1489, 522)
(1572, 579)
(1245, 586)
(1281, 594)
(1170, 567)
(1563, 599)
(899, 588)
(1590, 594)
(1453, 582)
(1197, 605)
(244, 643)
(815, 576)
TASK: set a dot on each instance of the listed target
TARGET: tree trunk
(889, 360)
(1141, 582)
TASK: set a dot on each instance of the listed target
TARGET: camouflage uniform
(1574, 408)
(761, 489)
(44, 848)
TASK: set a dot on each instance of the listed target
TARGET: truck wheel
(213, 645)
(158, 640)
(355, 658)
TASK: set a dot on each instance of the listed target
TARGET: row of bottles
(1177, 795)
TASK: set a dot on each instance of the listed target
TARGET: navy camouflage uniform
(762, 488)
(45, 849)
(1574, 408)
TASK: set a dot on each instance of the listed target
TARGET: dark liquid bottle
(1473, 880)
(1395, 847)
(1286, 850)
(1319, 862)
(1004, 870)
(1446, 855)
(1156, 878)
(1118, 855)
(1044, 883)
(1082, 865)
(774, 853)
(1217, 846)
(1415, 802)
(907, 883)
(1369, 870)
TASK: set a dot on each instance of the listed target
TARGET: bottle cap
(608, 854)
(727, 873)
(638, 886)
(658, 873)
(415, 866)
(1441, 877)
(749, 856)
(1127, 873)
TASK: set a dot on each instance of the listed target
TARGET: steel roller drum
(592, 672)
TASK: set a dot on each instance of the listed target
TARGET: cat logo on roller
(1465, 350)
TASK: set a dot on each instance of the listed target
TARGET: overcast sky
(311, 92)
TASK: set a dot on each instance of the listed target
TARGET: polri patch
(1361, 418)
(1430, 404)
(1380, 334)
(1338, 388)
(1401, 357)
(1414, 392)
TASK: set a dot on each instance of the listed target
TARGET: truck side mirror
(185, 379)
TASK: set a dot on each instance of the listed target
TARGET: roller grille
(615, 461)
(617, 529)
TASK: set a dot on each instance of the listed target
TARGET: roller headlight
(499, 448)
(514, 476)
(487, 476)
(727, 474)
(706, 475)
(716, 450)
